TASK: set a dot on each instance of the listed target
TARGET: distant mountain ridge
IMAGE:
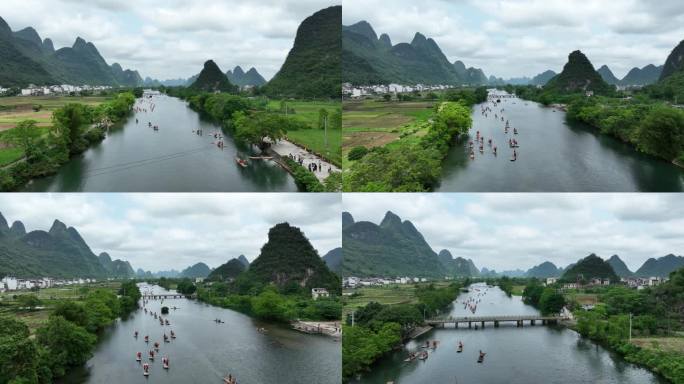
(196, 270)
(589, 268)
(392, 248)
(25, 58)
(371, 60)
(230, 270)
(60, 252)
(240, 78)
(333, 259)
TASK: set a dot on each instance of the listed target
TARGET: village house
(316, 293)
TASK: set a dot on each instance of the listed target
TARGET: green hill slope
(289, 260)
(578, 75)
(211, 79)
(312, 69)
(588, 268)
(393, 248)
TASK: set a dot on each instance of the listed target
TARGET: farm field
(372, 123)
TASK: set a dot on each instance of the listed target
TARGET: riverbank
(45, 149)
(285, 148)
(649, 125)
(327, 328)
(411, 157)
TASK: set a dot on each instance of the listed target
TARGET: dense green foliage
(76, 127)
(357, 153)
(413, 164)
(656, 312)
(65, 341)
(312, 69)
(379, 328)
(306, 180)
(392, 248)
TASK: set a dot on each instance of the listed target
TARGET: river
(136, 158)
(531, 354)
(554, 156)
(205, 351)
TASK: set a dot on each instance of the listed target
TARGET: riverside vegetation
(412, 163)
(277, 285)
(378, 328)
(657, 314)
(63, 340)
(648, 118)
(33, 151)
(259, 121)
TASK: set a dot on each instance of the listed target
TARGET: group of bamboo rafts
(432, 345)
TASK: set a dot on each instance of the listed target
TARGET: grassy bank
(384, 317)
(399, 146)
(33, 148)
(308, 113)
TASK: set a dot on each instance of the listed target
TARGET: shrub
(357, 153)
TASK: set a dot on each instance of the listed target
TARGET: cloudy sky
(510, 231)
(512, 38)
(171, 38)
(164, 231)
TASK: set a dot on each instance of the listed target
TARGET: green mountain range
(368, 59)
(457, 267)
(229, 270)
(588, 268)
(116, 268)
(393, 248)
(578, 75)
(607, 75)
(241, 78)
(642, 76)
(60, 252)
(211, 79)
(26, 59)
(619, 266)
(196, 270)
(661, 267)
(313, 66)
(543, 78)
(544, 270)
(289, 260)
(333, 259)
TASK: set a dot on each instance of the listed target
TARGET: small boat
(481, 358)
(241, 162)
(165, 362)
(146, 369)
(138, 356)
(423, 356)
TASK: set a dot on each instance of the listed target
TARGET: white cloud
(171, 38)
(513, 38)
(510, 231)
(164, 231)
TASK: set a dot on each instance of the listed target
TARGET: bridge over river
(518, 319)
